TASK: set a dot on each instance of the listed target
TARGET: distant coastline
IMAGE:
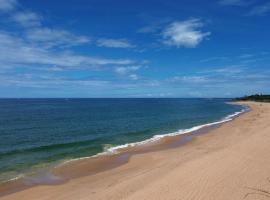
(256, 97)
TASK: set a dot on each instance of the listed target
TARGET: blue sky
(119, 48)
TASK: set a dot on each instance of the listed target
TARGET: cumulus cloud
(184, 33)
(114, 43)
(7, 5)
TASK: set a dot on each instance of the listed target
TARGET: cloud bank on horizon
(134, 49)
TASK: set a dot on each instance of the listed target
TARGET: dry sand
(230, 162)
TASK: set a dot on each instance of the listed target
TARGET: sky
(120, 48)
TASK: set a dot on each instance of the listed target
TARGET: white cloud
(114, 43)
(40, 46)
(54, 37)
(190, 79)
(127, 69)
(48, 81)
(227, 70)
(37, 51)
(15, 51)
(35, 32)
(134, 76)
(27, 19)
(184, 33)
(153, 24)
(7, 5)
(216, 58)
(233, 2)
(246, 56)
(260, 10)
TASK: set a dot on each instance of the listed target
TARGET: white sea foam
(14, 178)
(115, 150)
(155, 138)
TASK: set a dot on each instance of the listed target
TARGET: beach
(228, 162)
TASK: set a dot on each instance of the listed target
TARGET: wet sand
(229, 162)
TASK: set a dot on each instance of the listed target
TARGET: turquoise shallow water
(37, 132)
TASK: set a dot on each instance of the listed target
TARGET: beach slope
(229, 162)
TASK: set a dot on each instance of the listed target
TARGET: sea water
(35, 133)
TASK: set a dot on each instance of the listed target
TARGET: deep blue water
(37, 132)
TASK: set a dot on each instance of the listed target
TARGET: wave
(19, 176)
(180, 132)
(50, 147)
(115, 150)
(108, 149)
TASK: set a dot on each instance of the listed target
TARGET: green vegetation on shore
(256, 97)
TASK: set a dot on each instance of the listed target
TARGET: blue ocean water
(37, 132)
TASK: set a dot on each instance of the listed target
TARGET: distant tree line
(256, 97)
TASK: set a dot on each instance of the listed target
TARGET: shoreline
(156, 139)
(114, 157)
(120, 155)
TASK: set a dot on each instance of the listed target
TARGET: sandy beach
(229, 162)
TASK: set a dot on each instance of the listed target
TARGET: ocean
(36, 133)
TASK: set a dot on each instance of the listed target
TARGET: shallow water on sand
(34, 133)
